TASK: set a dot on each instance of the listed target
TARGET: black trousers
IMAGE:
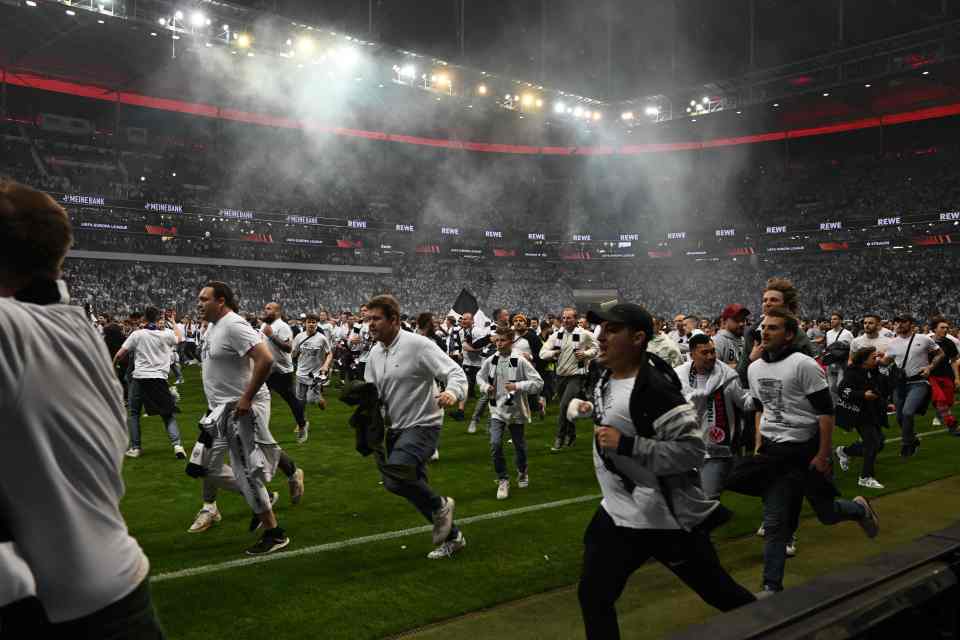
(130, 618)
(611, 554)
(871, 443)
(471, 380)
(282, 385)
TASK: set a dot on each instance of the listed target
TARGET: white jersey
(312, 351)
(282, 360)
(782, 387)
(226, 367)
(153, 351)
(62, 440)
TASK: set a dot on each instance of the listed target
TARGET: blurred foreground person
(65, 526)
(647, 443)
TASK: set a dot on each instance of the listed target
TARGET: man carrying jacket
(647, 441)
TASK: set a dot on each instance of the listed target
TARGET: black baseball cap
(904, 317)
(632, 315)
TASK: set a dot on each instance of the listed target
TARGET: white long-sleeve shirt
(513, 368)
(405, 373)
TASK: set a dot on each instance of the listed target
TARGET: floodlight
(408, 71)
(178, 15)
(578, 111)
(31, 3)
(559, 107)
(706, 100)
(597, 115)
(198, 19)
(539, 103)
(626, 115)
(243, 40)
(71, 12)
(527, 100)
(482, 89)
(162, 21)
(652, 111)
(305, 45)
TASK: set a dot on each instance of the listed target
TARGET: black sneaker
(909, 450)
(271, 540)
(457, 415)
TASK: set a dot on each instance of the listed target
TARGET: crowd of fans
(852, 284)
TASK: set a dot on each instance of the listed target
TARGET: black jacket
(853, 409)
(367, 421)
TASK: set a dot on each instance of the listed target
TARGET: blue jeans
(497, 427)
(133, 417)
(909, 399)
(412, 448)
(713, 476)
(782, 501)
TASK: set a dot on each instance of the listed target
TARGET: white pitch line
(379, 537)
(388, 535)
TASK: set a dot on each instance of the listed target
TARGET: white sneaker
(447, 549)
(523, 480)
(443, 521)
(843, 459)
(503, 489)
(303, 434)
(792, 546)
(936, 422)
(206, 518)
(132, 453)
(436, 455)
(870, 483)
(179, 452)
(472, 427)
(761, 532)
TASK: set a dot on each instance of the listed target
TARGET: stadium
(519, 206)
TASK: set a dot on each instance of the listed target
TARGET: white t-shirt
(645, 508)
(62, 440)
(152, 349)
(282, 360)
(783, 387)
(919, 356)
(843, 336)
(522, 345)
(226, 367)
(313, 351)
(880, 343)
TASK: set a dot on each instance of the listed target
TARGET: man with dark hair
(871, 336)
(946, 375)
(279, 338)
(729, 340)
(714, 389)
(313, 355)
(69, 536)
(152, 348)
(573, 348)
(796, 430)
(647, 442)
(835, 337)
(236, 362)
(915, 356)
(404, 368)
